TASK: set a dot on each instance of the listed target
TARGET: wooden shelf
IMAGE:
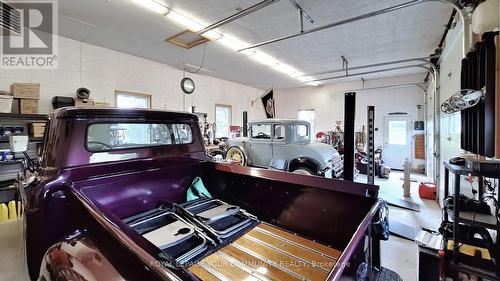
(35, 117)
(31, 139)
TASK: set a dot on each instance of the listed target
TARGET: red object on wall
(427, 190)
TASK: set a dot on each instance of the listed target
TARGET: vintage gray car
(285, 144)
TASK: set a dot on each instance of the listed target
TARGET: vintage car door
(259, 146)
(279, 139)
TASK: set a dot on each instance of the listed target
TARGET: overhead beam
(301, 11)
(343, 69)
(240, 14)
(424, 66)
(356, 18)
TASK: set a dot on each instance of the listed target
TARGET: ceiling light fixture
(313, 83)
(192, 23)
(154, 6)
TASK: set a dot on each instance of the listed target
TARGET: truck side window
(261, 131)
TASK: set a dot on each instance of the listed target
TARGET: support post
(349, 116)
(245, 124)
(370, 145)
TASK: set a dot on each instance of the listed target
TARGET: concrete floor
(399, 255)
(12, 259)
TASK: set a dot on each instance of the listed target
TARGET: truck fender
(77, 259)
(303, 161)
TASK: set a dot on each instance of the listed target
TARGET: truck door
(260, 145)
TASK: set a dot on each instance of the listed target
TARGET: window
(279, 132)
(307, 115)
(222, 120)
(132, 100)
(397, 132)
(115, 136)
(261, 131)
(301, 133)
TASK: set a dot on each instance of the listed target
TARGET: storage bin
(36, 130)
(25, 90)
(5, 104)
(28, 106)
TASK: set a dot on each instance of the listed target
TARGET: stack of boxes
(36, 130)
(26, 96)
(5, 102)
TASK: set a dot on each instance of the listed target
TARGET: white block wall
(328, 103)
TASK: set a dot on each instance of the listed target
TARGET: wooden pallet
(268, 253)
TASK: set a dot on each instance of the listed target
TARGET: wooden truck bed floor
(268, 253)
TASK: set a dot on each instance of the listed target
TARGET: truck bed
(268, 253)
(307, 228)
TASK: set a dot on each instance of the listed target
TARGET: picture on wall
(269, 105)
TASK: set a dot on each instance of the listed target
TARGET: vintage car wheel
(236, 154)
(303, 171)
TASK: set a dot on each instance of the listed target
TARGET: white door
(397, 141)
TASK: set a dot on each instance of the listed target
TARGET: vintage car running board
(268, 253)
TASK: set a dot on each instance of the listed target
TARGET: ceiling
(124, 26)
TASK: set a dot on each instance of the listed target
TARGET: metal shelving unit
(470, 218)
(8, 169)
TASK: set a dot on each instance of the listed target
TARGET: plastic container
(427, 190)
(12, 210)
(4, 212)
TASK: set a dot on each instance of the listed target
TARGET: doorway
(397, 141)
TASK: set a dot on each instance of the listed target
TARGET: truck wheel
(303, 171)
(236, 154)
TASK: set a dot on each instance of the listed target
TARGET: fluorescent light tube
(189, 22)
(264, 58)
(153, 5)
(290, 71)
(316, 83)
(231, 42)
(185, 20)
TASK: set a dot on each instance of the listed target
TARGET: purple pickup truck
(129, 194)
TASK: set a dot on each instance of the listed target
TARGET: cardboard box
(15, 106)
(5, 103)
(25, 90)
(86, 102)
(36, 130)
(28, 106)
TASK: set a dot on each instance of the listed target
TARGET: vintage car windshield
(116, 136)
